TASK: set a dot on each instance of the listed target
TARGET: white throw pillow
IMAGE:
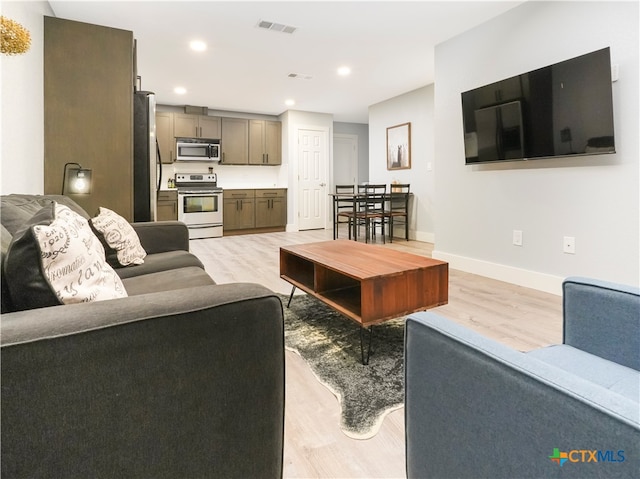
(73, 260)
(120, 236)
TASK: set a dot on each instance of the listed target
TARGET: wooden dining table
(357, 199)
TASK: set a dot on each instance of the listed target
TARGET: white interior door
(312, 181)
(345, 159)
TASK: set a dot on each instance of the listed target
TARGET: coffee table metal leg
(365, 362)
(291, 296)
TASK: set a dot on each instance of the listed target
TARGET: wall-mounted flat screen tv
(565, 109)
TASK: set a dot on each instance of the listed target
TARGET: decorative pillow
(119, 237)
(56, 259)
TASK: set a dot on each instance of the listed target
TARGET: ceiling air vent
(300, 76)
(276, 27)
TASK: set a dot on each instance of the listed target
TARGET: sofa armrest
(162, 236)
(475, 408)
(602, 318)
(189, 384)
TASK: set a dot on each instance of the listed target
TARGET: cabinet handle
(267, 155)
(222, 161)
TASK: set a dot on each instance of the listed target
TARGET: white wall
(22, 121)
(415, 107)
(595, 199)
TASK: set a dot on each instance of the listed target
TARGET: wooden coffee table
(368, 284)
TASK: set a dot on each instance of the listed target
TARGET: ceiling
(388, 45)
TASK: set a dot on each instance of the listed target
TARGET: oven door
(200, 209)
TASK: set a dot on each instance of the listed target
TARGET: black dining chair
(371, 211)
(398, 211)
(344, 208)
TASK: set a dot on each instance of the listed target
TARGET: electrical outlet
(569, 245)
(517, 237)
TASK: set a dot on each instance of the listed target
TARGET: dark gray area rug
(330, 344)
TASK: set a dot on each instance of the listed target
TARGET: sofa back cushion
(15, 211)
(5, 298)
(56, 259)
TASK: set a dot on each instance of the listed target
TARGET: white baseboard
(422, 236)
(522, 277)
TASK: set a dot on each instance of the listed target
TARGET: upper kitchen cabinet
(235, 141)
(265, 142)
(196, 126)
(88, 111)
(164, 134)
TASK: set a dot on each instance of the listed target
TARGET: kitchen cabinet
(164, 134)
(271, 207)
(167, 205)
(238, 210)
(196, 126)
(235, 141)
(254, 210)
(265, 142)
(88, 110)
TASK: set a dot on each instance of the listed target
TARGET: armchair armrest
(187, 384)
(162, 236)
(602, 318)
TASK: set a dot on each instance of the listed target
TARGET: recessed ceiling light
(180, 90)
(198, 45)
(290, 102)
(344, 71)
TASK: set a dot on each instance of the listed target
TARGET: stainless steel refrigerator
(147, 167)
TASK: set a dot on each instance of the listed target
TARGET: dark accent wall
(88, 110)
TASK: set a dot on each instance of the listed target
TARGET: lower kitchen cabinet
(167, 205)
(271, 208)
(254, 211)
(238, 210)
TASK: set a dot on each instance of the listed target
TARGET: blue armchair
(476, 408)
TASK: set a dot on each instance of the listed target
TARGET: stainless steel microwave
(197, 149)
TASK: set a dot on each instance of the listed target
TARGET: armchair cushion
(612, 376)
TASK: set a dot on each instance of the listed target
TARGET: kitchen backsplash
(232, 176)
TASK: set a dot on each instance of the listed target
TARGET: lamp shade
(76, 181)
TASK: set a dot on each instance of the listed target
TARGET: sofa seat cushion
(176, 279)
(612, 376)
(154, 263)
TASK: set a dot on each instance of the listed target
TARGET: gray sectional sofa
(182, 378)
(475, 408)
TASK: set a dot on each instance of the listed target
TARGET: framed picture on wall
(399, 147)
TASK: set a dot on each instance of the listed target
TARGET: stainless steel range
(200, 204)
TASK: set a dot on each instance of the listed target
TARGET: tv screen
(564, 109)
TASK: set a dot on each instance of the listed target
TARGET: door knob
(323, 184)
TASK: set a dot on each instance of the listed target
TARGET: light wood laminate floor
(315, 447)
